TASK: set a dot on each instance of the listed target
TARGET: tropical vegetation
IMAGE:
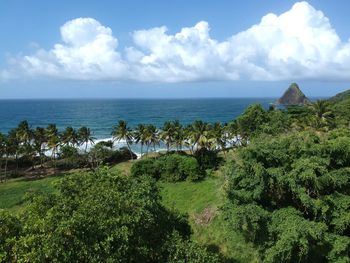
(272, 184)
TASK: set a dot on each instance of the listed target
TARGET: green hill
(341, 106)
(345, 95)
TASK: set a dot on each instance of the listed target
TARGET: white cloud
(88, 51)
(5, 75)
(298, 44)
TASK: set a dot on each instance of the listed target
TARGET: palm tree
(24, 133)
(198, 134)
(321, 108)
(85, 136)
(123, 132)
(51, 130)
(218, 135)
(13, 145)
(152, 136)
(179, 135)
(69, 137)
(2, 154)
(233, 133)
(53, 139)
(140, 134)
(40, 139)
(167, 134)
(24, 136)
(322, 113)
(53, 143)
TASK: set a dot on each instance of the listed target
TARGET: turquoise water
(101, 114)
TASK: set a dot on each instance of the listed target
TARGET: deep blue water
(101, 114)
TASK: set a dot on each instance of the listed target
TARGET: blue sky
(208, 49)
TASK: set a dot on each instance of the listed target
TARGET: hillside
(293, 96)
(341, 106)
(345, 95)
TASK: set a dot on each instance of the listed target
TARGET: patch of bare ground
(206, 216)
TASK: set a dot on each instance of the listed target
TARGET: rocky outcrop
(293, 96)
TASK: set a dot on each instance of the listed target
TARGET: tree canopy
(289, 194)
(98, 217)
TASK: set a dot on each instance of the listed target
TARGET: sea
(101, 114)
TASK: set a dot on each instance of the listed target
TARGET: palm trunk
(1, 177)
(53, 157)
(192, 147)
(16, 157)
(6, 168)
(127, 144)
(42, 158)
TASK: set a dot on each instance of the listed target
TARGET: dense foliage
(98, 217)
(287, 184)
(290, 196)
(341, 107)
(170, 168)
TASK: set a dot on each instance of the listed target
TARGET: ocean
(101, 114)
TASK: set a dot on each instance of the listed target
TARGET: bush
(171, 168)
(122, 155)
(182, 251)
(68, 152)
(102, 153)
(146, 167)
(93, 217)
(208, 159)
(10, 229)
(99, 154)
(250, 122)
(290, 196)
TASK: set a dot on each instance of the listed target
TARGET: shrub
(94, 217)
(208, 159)
(68, 152)
(121, 155)
(99, 154)
(189, 167)
(10, 229)
(290, 196)
(146, 167)
(102, 153)
(182, 251)
(171, 168)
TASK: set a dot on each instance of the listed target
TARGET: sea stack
(293, 96)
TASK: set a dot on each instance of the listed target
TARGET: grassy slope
(192, 198)
(186, 197)
(13, 192)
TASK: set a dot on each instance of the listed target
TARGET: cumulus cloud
(298, 44)
(88, 51)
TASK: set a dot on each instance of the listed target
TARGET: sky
(173, 49)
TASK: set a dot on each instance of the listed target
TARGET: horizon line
(149, 98)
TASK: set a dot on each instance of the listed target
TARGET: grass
(123, 167)
(192, 198)
(12, 193)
